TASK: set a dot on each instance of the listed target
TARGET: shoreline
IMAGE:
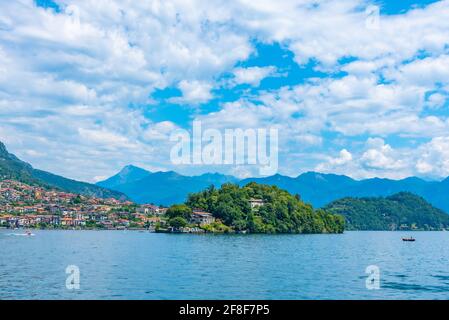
(216, 233)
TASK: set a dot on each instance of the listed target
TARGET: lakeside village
(27, 206)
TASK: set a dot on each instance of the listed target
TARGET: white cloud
(381, 156)
(66, 84)
(436, 100)
(423, 72)
(330, 30)
(309, 139)
(252, 75)
(80, 88)
(345, 157)
(104, 137)
(378, 159)
(332, 164)
(159, 131)
(194, 92)
(433, 158)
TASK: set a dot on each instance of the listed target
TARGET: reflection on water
(136, 265)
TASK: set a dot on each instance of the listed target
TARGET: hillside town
(28, 206)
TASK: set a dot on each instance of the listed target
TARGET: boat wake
(21, 234)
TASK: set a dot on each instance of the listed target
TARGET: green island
(253, 208)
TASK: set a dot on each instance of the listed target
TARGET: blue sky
(87, 87)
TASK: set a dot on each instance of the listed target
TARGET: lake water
(142, 265)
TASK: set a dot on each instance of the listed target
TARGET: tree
(177, 222)
(240, 225)
(179, 210)
(77, 199)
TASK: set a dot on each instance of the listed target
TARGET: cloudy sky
(88, 86)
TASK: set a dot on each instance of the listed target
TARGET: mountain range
(12, 167)
(167, 188)
(319, 189)
(164, 188)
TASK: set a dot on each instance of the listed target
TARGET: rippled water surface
(141, 265)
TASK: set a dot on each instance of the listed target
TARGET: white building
(202, 218)
(256, 203)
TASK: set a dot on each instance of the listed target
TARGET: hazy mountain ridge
(12, 167)
(165, 187)
(319, 189)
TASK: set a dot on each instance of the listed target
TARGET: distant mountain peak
(413, 180)
(4, 154)
(322, 177)
(12, 159)
(211, 174)
(3, 149)
(128, 173)
(312, 175)
(130, 169)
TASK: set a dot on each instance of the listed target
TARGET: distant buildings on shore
(27, 206)
(23, 205)
(151, 209)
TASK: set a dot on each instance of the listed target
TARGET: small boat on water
(26, 234)
(409, 239)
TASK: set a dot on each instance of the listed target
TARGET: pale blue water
(137, 265)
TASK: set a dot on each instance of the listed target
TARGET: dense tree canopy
(179, 210)
(178, 222)
(280, 213)
(402, 211)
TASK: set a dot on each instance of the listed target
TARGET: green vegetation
(281, 212)
(178, 215)
(77, 200)
(13, 168)
(217, 227)
(402, 211)
(179, 210)
(177, 222)
(93, 225)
